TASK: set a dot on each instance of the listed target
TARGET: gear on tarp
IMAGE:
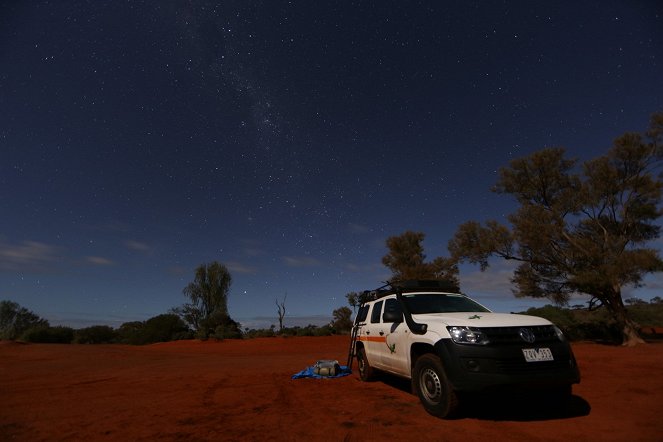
(324, 368)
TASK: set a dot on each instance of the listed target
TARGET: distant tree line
(19, 323)
(204, 317)
(578, 323)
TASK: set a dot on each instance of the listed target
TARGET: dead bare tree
(281, 311)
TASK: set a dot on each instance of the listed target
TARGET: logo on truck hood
(527, 335)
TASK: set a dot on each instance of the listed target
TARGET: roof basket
(434, 284)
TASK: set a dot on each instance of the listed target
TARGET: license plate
(537, 354)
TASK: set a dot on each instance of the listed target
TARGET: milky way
(287, 140)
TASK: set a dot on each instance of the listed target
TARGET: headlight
(465, 335)
(559, 333)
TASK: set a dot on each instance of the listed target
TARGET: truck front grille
(511, 335)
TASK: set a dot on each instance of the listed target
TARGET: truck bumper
(473, 368)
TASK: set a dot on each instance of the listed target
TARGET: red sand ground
(241, 390)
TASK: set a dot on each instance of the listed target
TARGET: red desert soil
(242, 390)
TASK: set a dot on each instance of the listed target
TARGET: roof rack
(410, 285)
(427, 284)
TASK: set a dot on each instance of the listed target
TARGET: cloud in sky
(300, 261)
(98, 260)
(240, 268)
(137, 245)
(27, 256)
(358, 228)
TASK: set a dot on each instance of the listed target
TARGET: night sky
(287, 140)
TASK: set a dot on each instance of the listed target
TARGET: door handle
(381, 333)
(368, 332)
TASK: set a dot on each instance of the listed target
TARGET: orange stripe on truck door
(373, 338)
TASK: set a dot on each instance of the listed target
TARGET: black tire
(433, 388)
(366, 372)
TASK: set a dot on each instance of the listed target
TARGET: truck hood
(480, 319)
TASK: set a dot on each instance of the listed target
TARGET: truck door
(396, 353)
(370, 336)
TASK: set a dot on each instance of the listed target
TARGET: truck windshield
(441, 303)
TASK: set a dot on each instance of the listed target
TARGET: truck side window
(392, 311)
(375, 314)
(362, 314)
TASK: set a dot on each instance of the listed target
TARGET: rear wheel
(366, 372)
(433, 388)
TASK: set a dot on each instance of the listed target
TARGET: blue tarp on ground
(309, 372)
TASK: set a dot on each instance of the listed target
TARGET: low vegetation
(579, 323)
(20, 324)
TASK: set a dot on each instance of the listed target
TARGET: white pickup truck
(447, 344)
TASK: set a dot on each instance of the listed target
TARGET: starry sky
(287, 140)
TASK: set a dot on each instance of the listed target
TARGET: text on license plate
(537, 354)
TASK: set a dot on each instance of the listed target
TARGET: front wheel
(560, 397)
(366, 372)
(433, 388)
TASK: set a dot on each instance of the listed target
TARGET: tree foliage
(131, 333)
(161, 328)
(577, 230)
(208, 309)
(48, 335)
(16, 320)
(96, 334)
(356, 299)
(342, 320)
(407, 261)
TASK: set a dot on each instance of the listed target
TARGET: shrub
(15, 320)
(227, 331)
(599, 325)
(97, 334)
(325, 330)
(259, 333)
(163, 328)
(131, 333)
(647, 314)
(309, 330)
(49, 335)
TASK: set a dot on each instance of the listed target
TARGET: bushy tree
(161, 328)
(15, 320)
(164, 328)
(578, 232)
(406, 260)
(342, 320)
(208, 293)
